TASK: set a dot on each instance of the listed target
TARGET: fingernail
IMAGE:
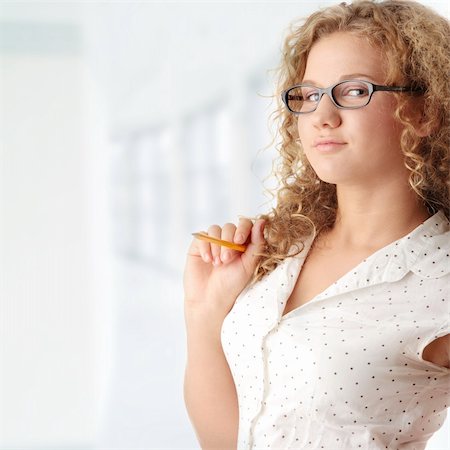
(239, 238)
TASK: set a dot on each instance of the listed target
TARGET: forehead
(334, 57)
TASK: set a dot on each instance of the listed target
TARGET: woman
(331, 330)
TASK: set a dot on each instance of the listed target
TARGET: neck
(374, 218)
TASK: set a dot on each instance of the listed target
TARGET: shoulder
(438, 351)
(429, 246)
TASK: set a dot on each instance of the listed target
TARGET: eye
(354, 90)
(314, 97)
(310, 95)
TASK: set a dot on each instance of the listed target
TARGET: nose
(326, 113)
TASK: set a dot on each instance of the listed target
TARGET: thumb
(251, 256)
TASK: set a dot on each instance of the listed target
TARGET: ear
(424, 126)
(419, 119)
(424, 129)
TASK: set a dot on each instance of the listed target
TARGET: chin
(327, 179)
(331, 172)
(330, 178)
(339, 170)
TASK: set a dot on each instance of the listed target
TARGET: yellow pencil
(213, 240)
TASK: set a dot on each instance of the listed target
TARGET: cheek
(303, 129)
(383, 119)
(388, 134)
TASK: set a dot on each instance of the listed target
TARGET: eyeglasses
(347, 94)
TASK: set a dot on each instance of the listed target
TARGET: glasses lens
(352, 94)
(302, 99)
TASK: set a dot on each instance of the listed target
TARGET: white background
(124, 127)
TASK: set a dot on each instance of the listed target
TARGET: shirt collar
(424, 251)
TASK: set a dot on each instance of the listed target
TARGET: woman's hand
(214, 276)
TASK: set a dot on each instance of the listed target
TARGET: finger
(202, 249)
(215, 231)
(257, 241)
(257, 235)
(228, 231)
(243, 230)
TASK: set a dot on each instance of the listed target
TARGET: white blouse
(345, 371)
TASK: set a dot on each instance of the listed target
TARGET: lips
(327, 141)
(328, 144)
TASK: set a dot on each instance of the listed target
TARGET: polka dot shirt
(345, 370)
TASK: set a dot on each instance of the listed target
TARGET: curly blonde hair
(416, 43)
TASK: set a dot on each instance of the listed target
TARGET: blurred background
(124, 127)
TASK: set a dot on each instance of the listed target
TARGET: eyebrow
(350, 76)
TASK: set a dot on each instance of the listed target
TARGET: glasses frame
(329, 91)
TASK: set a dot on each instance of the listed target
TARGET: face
(359, 147)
